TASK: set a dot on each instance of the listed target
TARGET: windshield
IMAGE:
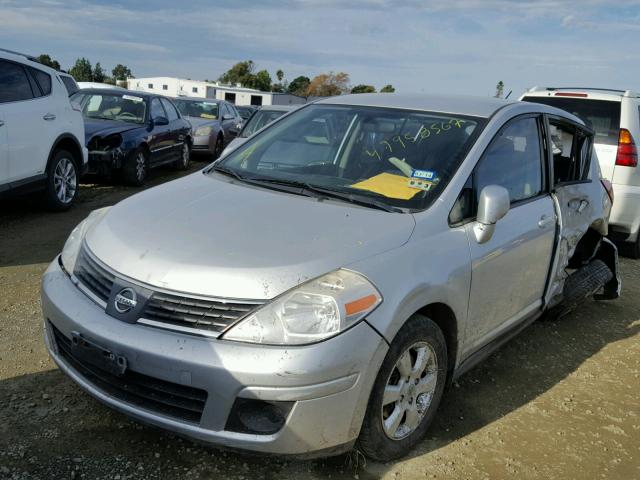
(601, 115)
(190, 108)
(392, 157)
(259, 120)
(126, 108)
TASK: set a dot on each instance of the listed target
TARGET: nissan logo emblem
(125, 300)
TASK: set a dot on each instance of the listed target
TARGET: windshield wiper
(227, 171)
(320, 192)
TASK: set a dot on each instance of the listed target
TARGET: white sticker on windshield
(132, 98)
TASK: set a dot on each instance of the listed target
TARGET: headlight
(72, 245)
(201, 131)
(311, 312)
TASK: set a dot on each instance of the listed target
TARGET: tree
(499, 89)
(363, 89)
(121, 72)
(241, 72)
(48, 61)
(387, 89)
(329, 84)
(280, 75)
(98, 73)
(261, 81)
(82, 71)
(299, 86)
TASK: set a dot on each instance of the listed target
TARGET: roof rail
(29, 57)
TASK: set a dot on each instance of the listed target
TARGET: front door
(509, 272)
(161, 145)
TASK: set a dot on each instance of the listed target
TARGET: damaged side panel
(582, 210)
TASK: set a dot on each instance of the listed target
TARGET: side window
(170, 109)
(43, 79)
(567, 148)
(513, 160)
(156, 109)
(234, 112)
(14, 84)
(226, 113)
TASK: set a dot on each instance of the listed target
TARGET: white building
(178, 87)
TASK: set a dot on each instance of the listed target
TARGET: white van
(615, 117)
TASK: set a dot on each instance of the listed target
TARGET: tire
(375, 441)
(219, 147)
(62, 184)
(578, 286)
(185, 157)
(134, 170)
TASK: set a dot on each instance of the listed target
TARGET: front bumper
(103, 162)
(328, 382)
(203, 144)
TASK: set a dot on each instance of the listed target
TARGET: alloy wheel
(65, 180)
(185, 155)
(409, 390)
(141, 166)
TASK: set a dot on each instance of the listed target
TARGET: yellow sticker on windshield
(207, 115)
(389, 185)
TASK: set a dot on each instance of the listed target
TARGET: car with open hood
(128, 133)
(215, 123)
(318, 286)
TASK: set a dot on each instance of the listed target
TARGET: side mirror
(161, 121)
(493, 204)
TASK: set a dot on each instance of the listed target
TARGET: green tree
(499, 89)
(121, 72)
(328, 84)
(82, 71)
(387, 89)
(48, 61)
(280, 75)
(98, 73)
(363, 89)
(241, 72)
(299, 86)
(261, 81)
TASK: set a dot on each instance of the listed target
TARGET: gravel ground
(560, 401)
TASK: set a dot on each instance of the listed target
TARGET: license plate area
(96, 355)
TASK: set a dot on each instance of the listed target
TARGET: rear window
(70, 84)
(601, 115)
(43, 79)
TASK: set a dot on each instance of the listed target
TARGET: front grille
(98, 280)
(211, 315)
(159, 396)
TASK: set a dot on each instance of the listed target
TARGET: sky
(431, 46)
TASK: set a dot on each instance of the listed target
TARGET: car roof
(278, 108)
(26, 60)
(115, 91)
(199, 99)
(459, 104)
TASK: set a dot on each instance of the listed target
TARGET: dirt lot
(561, 401)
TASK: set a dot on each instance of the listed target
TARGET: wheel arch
(443, 316)
(68, 142)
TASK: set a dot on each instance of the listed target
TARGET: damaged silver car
(319, 286)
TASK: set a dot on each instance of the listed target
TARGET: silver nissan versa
(319, 286)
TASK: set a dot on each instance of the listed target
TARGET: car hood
(213, 236)
(97, 127)
(198, 122)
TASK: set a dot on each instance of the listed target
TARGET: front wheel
(407, 391)
(134, 170)
(62, 181)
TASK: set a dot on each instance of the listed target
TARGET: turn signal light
(627, 152)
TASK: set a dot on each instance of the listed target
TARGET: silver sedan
(321, 284)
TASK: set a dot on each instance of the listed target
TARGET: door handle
(49, 117)
(545, 221)
(583, 204)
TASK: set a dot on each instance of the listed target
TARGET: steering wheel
(128, 115)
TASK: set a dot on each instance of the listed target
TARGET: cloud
(462, 46)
